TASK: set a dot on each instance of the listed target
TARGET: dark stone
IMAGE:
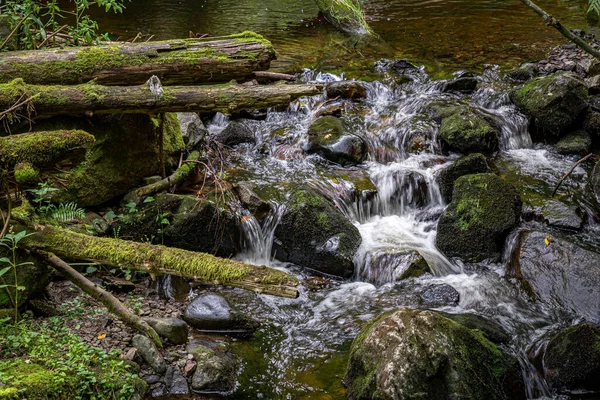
(173, 329)
(404, 352)
(347, 90)
(484, 209)
(554, 103)
(463, 84)
(327, 138)
(236, 133)
(251, 201)
(193, 130)
(467, 165)
(313, 234)
(595, 181)
(578, 142)
(440, 296)
(557, 214)
(179, 385)
(212, 313)
(149, 353)
(491, 330)
(465, 131)
(558, 272)
(389, 266)
(33, 277)
(151, 379)
(118, 285)
(572, 360)
(216, 371)
(591, 124)
(524, 73)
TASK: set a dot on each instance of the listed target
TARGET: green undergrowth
(44, 360)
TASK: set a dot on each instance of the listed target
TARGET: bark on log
(41, 147)
(159, 260)
(108, 300)
(346, 15)
(181, 61)
(90, 97)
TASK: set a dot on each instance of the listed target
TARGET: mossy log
(346, 15)
(41, 147)
(158, 260)
(180, 61)
(99, 99)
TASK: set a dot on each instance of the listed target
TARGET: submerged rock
(440, 296)
(467, 165)
(347, 90)
(236, 133)
(216, 371)
(212, 313)
(578, 142)
(556, 271)
(407, 352)
(484, 209)
(392, 265)
(554, 103)
(465, 131)
(313, 234)
(572, 359)
(327, 138)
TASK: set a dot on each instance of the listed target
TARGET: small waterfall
(257, 238)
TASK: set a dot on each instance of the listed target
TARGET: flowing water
(300, 352)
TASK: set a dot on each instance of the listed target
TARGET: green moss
(346, 14)
(464, 130)
(33, 381)
(326, 130)
(26, 174)
(41, 147)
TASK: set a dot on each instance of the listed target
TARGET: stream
(301, 349)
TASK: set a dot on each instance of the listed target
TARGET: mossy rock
(422, 354)
(467, 165)
(33, 381)
(26, 174)
(327, 138)
(465, 131)
(523, 73)
(554, 103)
(572, 359)
(354, 90)
(484, 209)
(33, 277)
(578, 143)
(313, 234)
(125, 152)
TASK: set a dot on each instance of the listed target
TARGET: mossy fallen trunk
(345, 14)
(98, 99)
(180, 61)
(41, 147)
(159, 260)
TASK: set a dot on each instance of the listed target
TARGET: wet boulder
(193, 130)
(216, 370)
(440, 296)
(524, 73)
(559, 215)
(250, 200)
(236, 133)
(595, 181)
(553, 103)
(572, 360)
(347, 90)
(578, 142)
(389, 265)
(464, 130)
(405, 352)
(591, 124)
(467, 165)
(465, 83)
(327, 138)
(313, 234)
(556, 271)
(484, 209)
(212, 313)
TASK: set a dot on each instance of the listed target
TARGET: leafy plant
(39, 200)
(162, 221)
(66, 212)
(11, 242)
(61, 213)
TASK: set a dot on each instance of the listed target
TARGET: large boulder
(422, 354)
(313, 234)
(236, 133)
(173, 329)
(327, 138)
(558, 272)
(464, 130)
(484, 209)
(466, 165)
(578, 142)
(554, 103)
(572, 359)
(212, 313)
(216, 371)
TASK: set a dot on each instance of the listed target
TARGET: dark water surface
(442, 34)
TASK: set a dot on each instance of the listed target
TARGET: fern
(594, 6)
(66, 212)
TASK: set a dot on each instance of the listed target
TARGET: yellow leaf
(101, 336)
(547, 240)
(327, 136)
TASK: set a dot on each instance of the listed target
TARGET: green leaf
(5, 260)
(149, 199)
(4, 270)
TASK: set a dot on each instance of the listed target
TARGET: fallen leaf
(548, 240)
(101, 336)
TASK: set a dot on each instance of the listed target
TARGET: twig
(14, 31)
(570, 172)
(16, 106)
(52, 34)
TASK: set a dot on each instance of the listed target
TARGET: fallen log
(108, 300)
(346, 15)
(181, 61)
(158, 260)
(92, 98)
(41, 147)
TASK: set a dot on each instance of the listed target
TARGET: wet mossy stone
(591, 124)
(347, 90)
(216, 371)
(554, 270)
(466, 165)
(578, 143)
(313, 234)
(466, 83)
(524, 73)
(554, 103)
(572, 359)
(236, 133)
(210, 312)
(465, 131)
(490, 329)
(327, 138)
(484, 209)
(422, 354)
